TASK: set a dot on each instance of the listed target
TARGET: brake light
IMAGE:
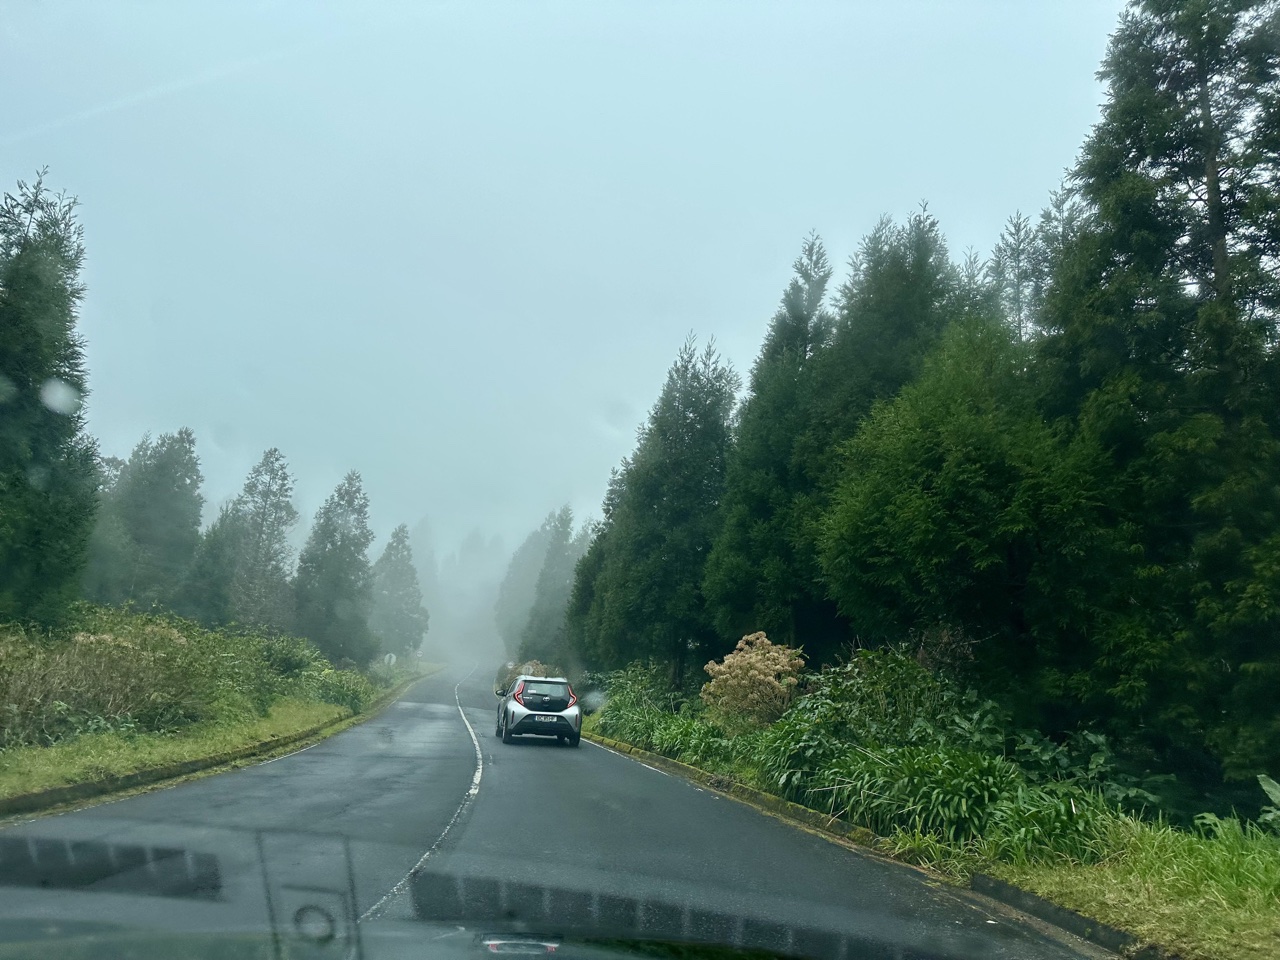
(573, 697)
(518, 696)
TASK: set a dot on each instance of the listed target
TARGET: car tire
(506, 728)
(574, 741)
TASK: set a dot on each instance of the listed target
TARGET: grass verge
(1198, 896)
(98, 756)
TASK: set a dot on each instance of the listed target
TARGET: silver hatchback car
(543, 706)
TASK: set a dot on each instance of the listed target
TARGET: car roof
(529, 676)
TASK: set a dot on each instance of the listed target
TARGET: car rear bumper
(543, 724)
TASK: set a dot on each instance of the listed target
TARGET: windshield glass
(536, 477)
(536, 688)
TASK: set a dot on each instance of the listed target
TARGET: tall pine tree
(754, 579)
(543, 637)
(333, 588)
(398, 619)
(260, 591)
(519, 586)
(661, 514)
(151, 517)
(1161, 322)
(48, 478)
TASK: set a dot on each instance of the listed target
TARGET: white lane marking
(283, 755)
(627, 757)
(403, 885)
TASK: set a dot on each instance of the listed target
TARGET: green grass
(1203, 897)
(96, 756)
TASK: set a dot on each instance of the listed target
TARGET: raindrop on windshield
(60, 396)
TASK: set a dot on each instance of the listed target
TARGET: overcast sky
(456, 246)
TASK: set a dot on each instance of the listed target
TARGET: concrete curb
(1094, 931)
(1105, 936)
(57, 796)
(774, 804)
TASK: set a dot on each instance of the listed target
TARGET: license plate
(545, 719)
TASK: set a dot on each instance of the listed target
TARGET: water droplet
(8, 389)
(60, 396)
(38, 477)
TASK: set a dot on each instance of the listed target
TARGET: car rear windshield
(540, 687)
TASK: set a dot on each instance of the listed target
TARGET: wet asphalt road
(336, 829)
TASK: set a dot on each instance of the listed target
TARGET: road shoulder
(1054, 921)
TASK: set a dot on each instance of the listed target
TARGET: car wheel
(574, 741)
(506, 728)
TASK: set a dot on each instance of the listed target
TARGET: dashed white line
(403, 885)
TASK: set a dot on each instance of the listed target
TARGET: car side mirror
(498, 691)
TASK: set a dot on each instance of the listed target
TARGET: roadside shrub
(672, 734)
(944, 791)
(383, 676)
(105, 675)
(636, 700)
(1033, 823)
(878, 699)
(289, 656)
(794, 749)
(343, 688)
(754, 684)
(115, 669)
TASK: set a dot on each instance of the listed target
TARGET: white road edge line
(284, 755)
(626, 757)
(400, 887)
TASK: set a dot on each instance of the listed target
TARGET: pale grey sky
(456, 245)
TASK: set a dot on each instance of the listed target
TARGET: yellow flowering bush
(754, 684)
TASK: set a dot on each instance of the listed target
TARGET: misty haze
(425, 425)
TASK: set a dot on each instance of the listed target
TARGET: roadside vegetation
(136, 631)
(945, 779)
(113, 692)
(1036, 493)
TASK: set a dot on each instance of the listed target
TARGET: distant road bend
(421, 813)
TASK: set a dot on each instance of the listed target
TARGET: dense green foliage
(644, 596)
(47, 474)
(534, 593)
(886, 744)
(76, 525)
(944, 777)
(1068, 455)
(107, 669)
(242, 564)
(149, 524)
(543, 636)
(398, 619)
(758, 575)
(334, 585)
(519, 585)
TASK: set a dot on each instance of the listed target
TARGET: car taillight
(573, 698)
(518, 696)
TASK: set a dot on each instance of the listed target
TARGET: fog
(456, 246)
